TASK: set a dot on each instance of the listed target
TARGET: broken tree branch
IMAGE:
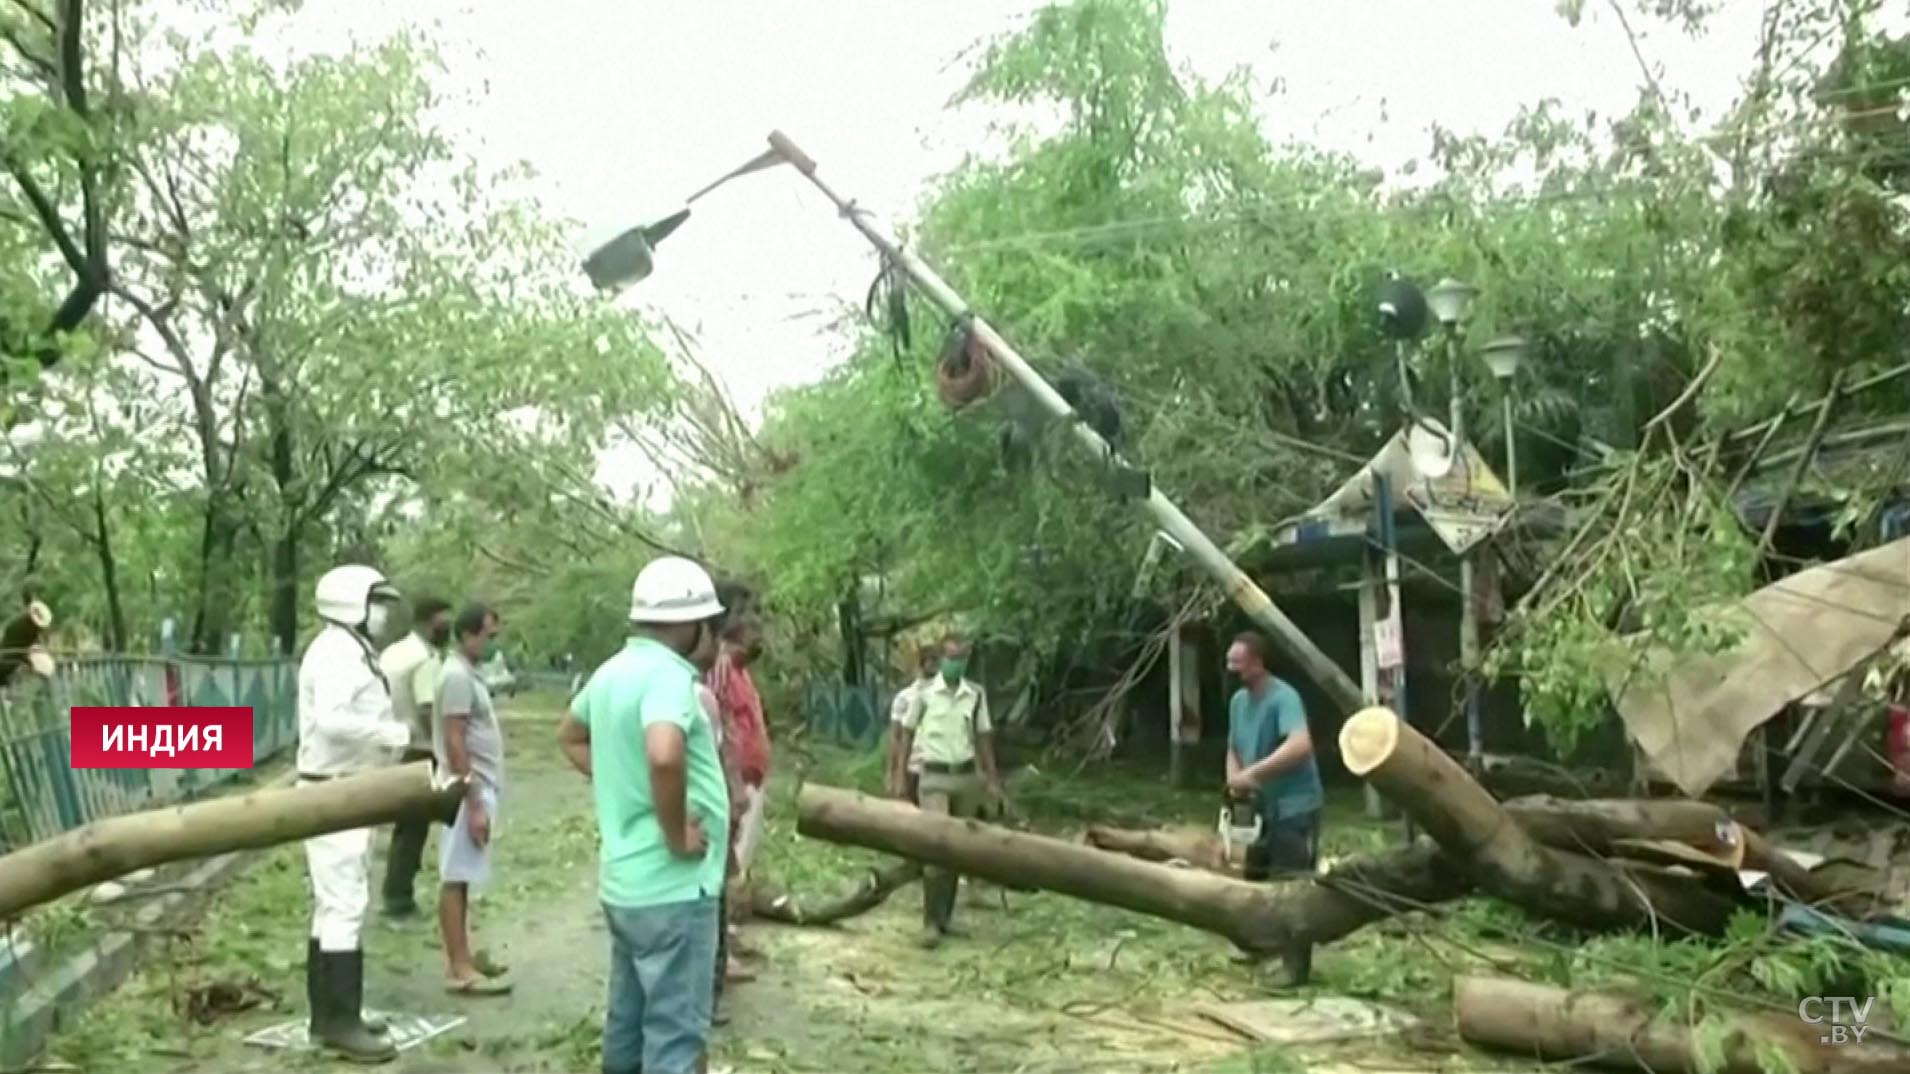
(1260, 918)
(1611, 1030)
(870, 892)
(1464, 818)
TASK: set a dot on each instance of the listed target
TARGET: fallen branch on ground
(871, 892)
(1612, 1030)
(1268, 918)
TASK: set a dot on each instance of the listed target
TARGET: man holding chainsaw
(1270, 764)
(948, 733)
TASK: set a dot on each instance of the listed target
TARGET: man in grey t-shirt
(471, 744)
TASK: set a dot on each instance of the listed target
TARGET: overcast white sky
(625, 108)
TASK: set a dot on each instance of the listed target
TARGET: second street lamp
(1504, 356)
(1449, 299)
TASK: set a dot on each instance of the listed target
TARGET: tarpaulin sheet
(1800, 632)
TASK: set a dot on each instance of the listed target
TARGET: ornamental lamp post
(1449, 300)
(1504, 356)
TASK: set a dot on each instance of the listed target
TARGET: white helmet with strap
(672, 589)
(344, 594)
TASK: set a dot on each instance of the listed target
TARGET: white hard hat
(673, 590)
(345, 593)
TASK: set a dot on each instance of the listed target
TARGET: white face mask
(375, 619)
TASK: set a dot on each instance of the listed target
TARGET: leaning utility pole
(1233, 581)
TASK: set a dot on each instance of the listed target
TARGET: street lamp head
(1449, 299)
(1402, 309)
(630, 257)
(1504, 356)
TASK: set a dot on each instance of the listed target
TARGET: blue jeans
(662, 973)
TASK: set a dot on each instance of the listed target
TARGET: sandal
(478, 986)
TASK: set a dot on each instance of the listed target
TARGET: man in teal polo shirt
(1270, 759)
(638, 733)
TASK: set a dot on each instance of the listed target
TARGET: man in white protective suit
(346, 725)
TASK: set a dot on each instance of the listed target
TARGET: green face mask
(490, 651)
(953, 667)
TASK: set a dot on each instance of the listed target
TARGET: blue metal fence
(42, 795)
(847, 715)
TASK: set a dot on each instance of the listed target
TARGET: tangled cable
(965, 371)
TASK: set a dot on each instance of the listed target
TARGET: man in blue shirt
(1270, 760)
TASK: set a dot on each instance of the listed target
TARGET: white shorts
(461, 860)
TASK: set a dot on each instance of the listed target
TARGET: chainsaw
(1240, 824)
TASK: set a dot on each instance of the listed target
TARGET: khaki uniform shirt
(946, 720)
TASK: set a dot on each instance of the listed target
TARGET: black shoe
(339, 1025)
(399, 911)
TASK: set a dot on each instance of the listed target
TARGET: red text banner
(155, 737)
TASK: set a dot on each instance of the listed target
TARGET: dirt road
(1040, 984)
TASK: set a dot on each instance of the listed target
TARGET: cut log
(1269, 918)
(21, 642)
(1591, 825)
(1616, 1031)
(1505, 860)
(870, 893)
(1594, 826)
(1199, 848)
(112, 848)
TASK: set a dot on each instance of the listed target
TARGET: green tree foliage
(323, 324)
(1136, 221)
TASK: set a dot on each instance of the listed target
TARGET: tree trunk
(1507, 861)
(1552, 1023)
(870, 893)
(1262, 918)
(1199, 848)
(284, 616)
(110, 848)
(1593, 826)
(116, 634)
(218, 593)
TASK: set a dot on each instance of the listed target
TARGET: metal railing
(42, 795)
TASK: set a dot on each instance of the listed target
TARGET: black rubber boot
(343, 1031)
(376, 1025)
(1296, 966)
(315, 997)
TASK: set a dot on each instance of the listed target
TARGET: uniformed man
(411, 666)
(948, 735)
(904, 772)
(346, 725)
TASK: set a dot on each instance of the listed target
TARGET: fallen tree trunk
(870, 893)
(1611, 1030)
(111, 848)
(1198, 848)
(1462, 817)
(1260, 918)
(1595, 826)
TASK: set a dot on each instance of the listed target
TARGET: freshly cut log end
(1368, 738)
(1617, 1031)
(1463, 817)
